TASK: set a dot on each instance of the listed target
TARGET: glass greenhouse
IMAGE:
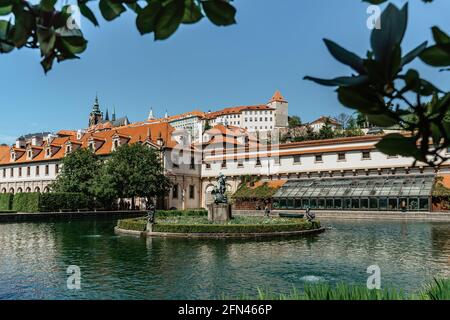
(408, 192)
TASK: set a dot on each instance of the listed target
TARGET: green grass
(439, 289)
(200, 224)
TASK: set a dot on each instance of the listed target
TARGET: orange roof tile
(236, 110)
(277, 97)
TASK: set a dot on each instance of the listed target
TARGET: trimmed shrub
(26, 202)
(50, 202)
(6, 201)
(53, 202)
(231, 228)
(138, 224)
(187, 213)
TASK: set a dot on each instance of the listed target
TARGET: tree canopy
(56, 34)
(388, 93)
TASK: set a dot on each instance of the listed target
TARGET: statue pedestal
(149, 227)
(219, 212)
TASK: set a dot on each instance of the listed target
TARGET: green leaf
(340, 81)
(87, 13)
(146, 18)
(47, 5)
(5, 29)
(396, 144)
(5, 10)
(25, 23)
(410, 56)
(344, 56)
(111, 10)
(391, 33)
(46, 38)
(74, 44)
(192, 12)
(219, 12)
(437, 56)
(440, 36)
(361, 99)
(382, 120)
(47, 63)
(168, 19)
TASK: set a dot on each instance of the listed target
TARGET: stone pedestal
(219, 212)
(149, 227)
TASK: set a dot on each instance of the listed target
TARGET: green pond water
(34, 258)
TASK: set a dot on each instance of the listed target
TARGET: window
(20, 172)
(47, 152)
(341, 156)
(175, 191)
(258, 162)
(46, 170)
(37, 170)
(208, 165)
(224, 164)
(191, 192)
(4, 173)
(240, 164)
(366, 155)
(296, 159)
(192, 165)
(56, 168)
(28, 171)
(11, 172)
(318, 158)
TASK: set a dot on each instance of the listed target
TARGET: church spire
(150, 114)
(107, 115)
(113, 118)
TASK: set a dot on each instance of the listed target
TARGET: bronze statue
(151, 213)
(219, 191)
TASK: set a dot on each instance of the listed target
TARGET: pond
(34, 258)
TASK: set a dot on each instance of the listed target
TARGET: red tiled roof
(236, 110)
(277, 97)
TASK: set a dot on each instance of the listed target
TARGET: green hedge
(53, 202)
(187, 213)
(138, 224)
(231, 228)
(49, 202)
(26, 202)
(6, 201)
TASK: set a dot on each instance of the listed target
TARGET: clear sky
(274, 44)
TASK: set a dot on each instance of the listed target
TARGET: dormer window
(92, 146)
(30, 154)
(68, 149)
(48, 153)
(116, 144)
(13, 156)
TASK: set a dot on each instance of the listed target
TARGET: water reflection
(34, 258)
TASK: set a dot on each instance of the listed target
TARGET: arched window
(28, 190)
(19, 190)
(46, 190)
(11, 190)
(37, 189)
(4, 190)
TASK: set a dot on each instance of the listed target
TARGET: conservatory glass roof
(357, 187)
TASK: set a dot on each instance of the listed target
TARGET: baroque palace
(343, 173)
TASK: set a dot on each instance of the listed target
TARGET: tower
(150, 114)
(280, 105)
(113, 118)
(96, 116)
(107, 115)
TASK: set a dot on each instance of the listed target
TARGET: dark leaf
(46, 38)
(410, 56)
(396, 144)
(5, 29)
(110, 9)
(340, 81)
(391, 33)
(146, 18)
(440, 36)
(361, 99)
(192, 12)
(5, 10)
(168, 19)
(344, 56)
(25, 23)
(220, 12)
(47, 5)
(87, 13)
(437, 56)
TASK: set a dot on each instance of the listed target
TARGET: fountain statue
(220, 209)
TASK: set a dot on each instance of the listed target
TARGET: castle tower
(96, 116)
(281, 109)
(114, 115)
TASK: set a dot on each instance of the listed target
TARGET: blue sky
(273, 45)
